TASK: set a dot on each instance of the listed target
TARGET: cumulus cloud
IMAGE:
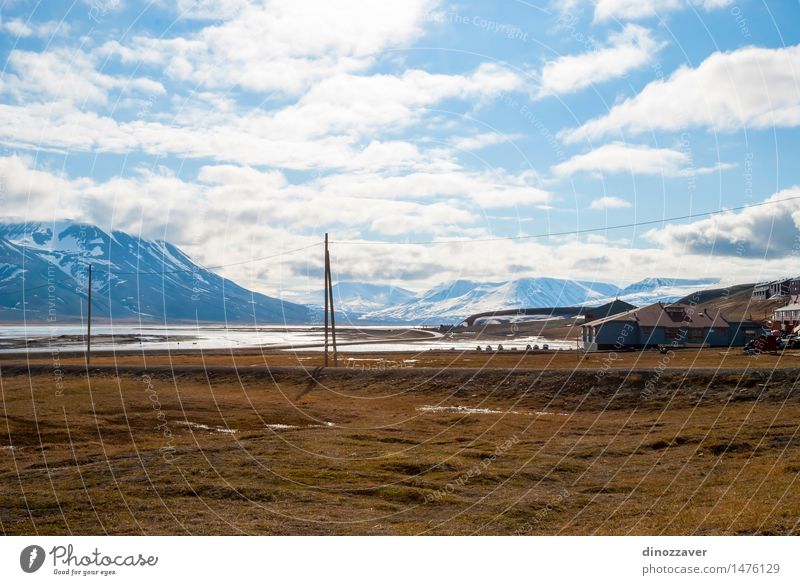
(619, 157)
(630, 49)
(282, 46)
(605, 10)
(206, 9)
(434, 204)
(42, 29)
(769, 231)
(326, 128)
(482, 140)
(233, 214)
(607, 202)
(61, 74)
(751, 87)
(365, 103)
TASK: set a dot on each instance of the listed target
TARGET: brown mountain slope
(735, 302)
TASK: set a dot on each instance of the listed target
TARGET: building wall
(614, 334)
(761, 292)
(740, 333)
(787, 319)
(618, 335)
(681, 334)
(779, 288)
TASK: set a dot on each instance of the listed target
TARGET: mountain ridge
(456, 300)
(136, 278)
(133, 278)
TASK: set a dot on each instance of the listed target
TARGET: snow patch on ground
(281, 426)
(475, 410)
(200, 426)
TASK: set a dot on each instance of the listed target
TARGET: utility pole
(89, 321)
(330, 294)
(326, 299)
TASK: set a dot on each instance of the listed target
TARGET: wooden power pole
(89, 321)
(329, 305)
(330, 296)
(326, 299)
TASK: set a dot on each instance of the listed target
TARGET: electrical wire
(564, 233)
(433, 242)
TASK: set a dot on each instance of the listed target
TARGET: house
(783, 287)
(787, 318)
(679, 325)
(761, 291)
(779, 288)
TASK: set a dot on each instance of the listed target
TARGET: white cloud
(61, 74)
(158, 202)
(233, 214)
(605, 10)
(607, 202)
(206, 9)
(282, 46)
(482, 140)
(481, 190)
(625, 51)
(22, 29)
(619, 157)
(768, 231)
(365, 103)
(751, 87)
(326, 128)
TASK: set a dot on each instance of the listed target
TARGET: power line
(564, 233)
(431, 242)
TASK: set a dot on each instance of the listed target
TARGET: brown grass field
(553, 444)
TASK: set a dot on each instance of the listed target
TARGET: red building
(787, 318)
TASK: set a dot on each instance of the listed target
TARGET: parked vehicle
(792, 342)
(764, 344)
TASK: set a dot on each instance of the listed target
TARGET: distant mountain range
(133, 278)
(358, 298)
(136, 278)
(455, 300)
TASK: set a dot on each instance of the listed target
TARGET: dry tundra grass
(363, 452)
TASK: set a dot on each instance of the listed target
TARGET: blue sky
(239, 129)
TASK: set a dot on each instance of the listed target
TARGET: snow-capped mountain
(132, 278)
(358, 297)
(667, 290)
(453, 301)
(136, 278)
(460, 298)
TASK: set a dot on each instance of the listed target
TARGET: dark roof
(666, 315)
(613, 308)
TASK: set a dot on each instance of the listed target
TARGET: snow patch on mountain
(453, 301)
(132, 278)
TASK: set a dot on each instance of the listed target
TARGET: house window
(673, 333)
(696, 333)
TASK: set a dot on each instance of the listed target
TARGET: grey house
(676, 325)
